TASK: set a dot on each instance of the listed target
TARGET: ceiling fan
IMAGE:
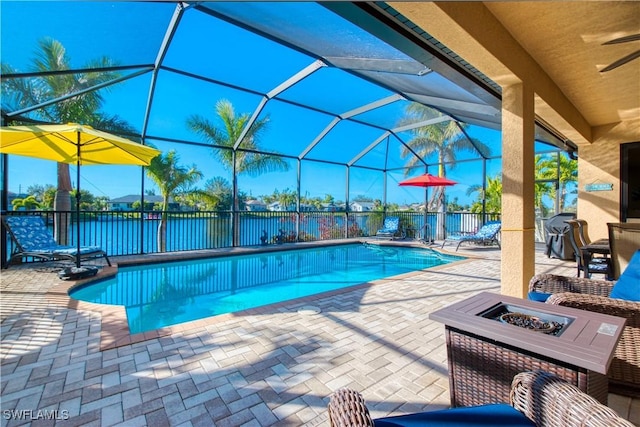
(624, 60)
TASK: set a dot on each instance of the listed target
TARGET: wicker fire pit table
(492, 337)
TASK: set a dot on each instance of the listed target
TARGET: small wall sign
(598, 187)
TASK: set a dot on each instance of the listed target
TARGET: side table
(484, 353)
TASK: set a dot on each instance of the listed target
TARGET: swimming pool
(159, 295)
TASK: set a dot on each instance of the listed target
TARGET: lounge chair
(537, 398)
(487, 235)
(390, 228)
(33, 239)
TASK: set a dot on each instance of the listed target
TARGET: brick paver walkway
(273, 367)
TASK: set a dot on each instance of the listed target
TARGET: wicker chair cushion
(628, 285)
(538, 296)
(487, 415)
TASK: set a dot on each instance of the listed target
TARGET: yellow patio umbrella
(74, 144)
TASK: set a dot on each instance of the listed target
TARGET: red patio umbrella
(428, 180)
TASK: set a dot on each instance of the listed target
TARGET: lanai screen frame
(378, 20)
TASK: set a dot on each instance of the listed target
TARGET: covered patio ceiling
(336, 66)
(564, 42)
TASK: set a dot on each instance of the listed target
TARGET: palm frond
(232, 126)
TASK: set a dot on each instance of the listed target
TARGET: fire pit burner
(525, 318)
(530, 322)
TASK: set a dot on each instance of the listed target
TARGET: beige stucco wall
(600, 163)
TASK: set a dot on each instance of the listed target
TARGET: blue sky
(228, 54)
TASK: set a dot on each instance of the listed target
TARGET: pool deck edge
(115, 330)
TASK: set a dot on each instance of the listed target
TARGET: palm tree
(44, 193)
(29, 203)
(246, 162)
(171, 179)
(444, 140)
(492, 195)
(287, 198)
(224, 138)
(547, 168)
(217, 194)
(83, 108)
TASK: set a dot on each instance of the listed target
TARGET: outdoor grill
(557, 236)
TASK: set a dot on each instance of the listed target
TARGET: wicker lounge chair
(33, 240)
(390, 228)
(487, 235)
(593, 295)
(538, 397)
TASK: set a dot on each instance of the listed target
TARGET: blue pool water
(159, 295)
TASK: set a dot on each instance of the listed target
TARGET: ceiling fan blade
(621, 61)
(631, 38)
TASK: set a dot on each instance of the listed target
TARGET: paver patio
(275, 366)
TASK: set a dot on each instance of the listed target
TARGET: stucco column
(518, 218)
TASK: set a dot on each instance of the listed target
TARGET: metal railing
(135, 233)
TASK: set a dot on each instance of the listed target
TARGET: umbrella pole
(78, 204)
(426, 229)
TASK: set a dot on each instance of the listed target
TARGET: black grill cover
(557, 236)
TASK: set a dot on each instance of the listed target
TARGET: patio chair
(583, 229)
(584, 263)
(537, 399)
(624, 240)
(594, 295)
(390, 228)
(33, 239)
(487, 235)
